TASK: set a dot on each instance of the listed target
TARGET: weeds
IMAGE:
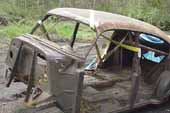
(22, 14)
(14, 30)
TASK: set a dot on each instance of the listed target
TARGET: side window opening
(115, 56)
(119, 56)
(122, 56)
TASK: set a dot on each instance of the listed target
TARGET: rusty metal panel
(65, 85)
(25, 61)
(12, 53)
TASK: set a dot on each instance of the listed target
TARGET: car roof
(102, 21)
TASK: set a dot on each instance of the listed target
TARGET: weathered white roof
(102, 21)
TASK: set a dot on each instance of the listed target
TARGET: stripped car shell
(130, 73)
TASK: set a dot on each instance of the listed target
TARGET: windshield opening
(70, 35)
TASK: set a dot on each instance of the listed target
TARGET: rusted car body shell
(66, 85)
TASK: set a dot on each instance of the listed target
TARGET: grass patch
(65, 29)
(21, 12)
(14, 30)
(62, 30)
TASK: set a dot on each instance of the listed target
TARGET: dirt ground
(11, 99)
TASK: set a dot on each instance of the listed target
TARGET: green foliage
(14, 30)
(22, 14)
(65, 30)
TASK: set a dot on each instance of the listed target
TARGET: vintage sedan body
(125, 66)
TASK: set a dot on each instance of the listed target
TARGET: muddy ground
(11, 99)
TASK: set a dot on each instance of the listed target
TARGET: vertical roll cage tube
(74, 34)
